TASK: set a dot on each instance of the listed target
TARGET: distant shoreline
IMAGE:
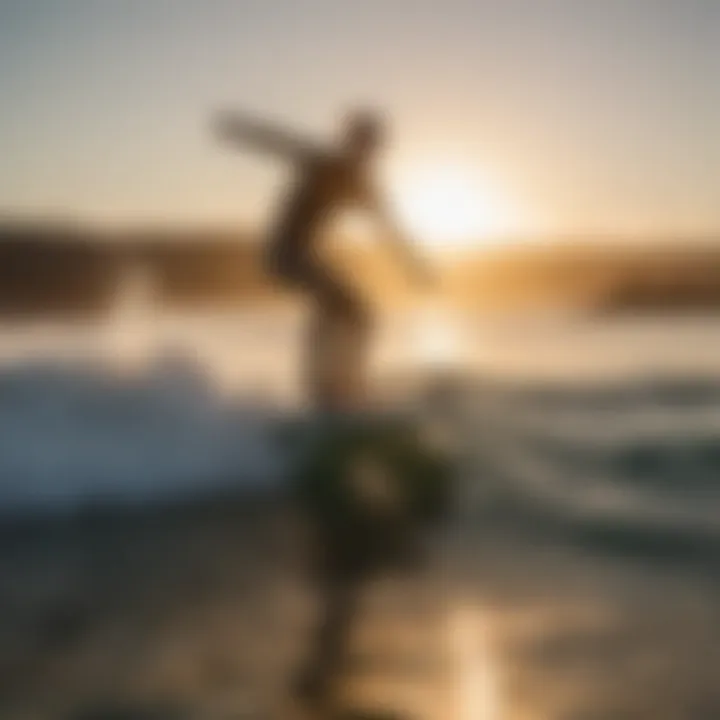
(66, 269)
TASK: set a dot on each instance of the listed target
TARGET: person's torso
(325, 186)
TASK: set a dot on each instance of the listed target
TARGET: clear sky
(588, 115)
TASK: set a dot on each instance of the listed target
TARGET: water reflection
(474, 667)
(563, 604)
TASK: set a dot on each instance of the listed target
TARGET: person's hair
(364, 127)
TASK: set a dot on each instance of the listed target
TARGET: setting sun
(451, 206)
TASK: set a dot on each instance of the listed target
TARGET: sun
(449, 206)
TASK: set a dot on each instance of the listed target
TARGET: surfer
(327, 181)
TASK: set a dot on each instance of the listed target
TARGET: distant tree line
(49, 271)
(611, 278)
(54, 270)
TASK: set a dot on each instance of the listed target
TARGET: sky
(591, 116)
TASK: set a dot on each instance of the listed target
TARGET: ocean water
(577, 577)
(144, 407)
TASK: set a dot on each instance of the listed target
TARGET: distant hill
(53, 269)
(48, 270)
(652, 277)
(63, 270)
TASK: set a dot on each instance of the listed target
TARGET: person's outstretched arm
(245, 131)
(397, 239)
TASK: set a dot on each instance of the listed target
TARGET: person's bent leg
(349, 330)
(316, 372)
(338, 342)
(356, 333)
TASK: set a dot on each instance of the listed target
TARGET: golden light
(476, 678)
(436, 339)
(451, 206)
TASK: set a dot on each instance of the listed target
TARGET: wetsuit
(337, 344)
(326, 185)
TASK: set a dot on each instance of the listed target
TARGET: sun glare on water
(450, 207)
(437, 340)
(476, 678)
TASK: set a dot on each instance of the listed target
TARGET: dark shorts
(327, 287)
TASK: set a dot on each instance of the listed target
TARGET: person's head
(363, 134)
